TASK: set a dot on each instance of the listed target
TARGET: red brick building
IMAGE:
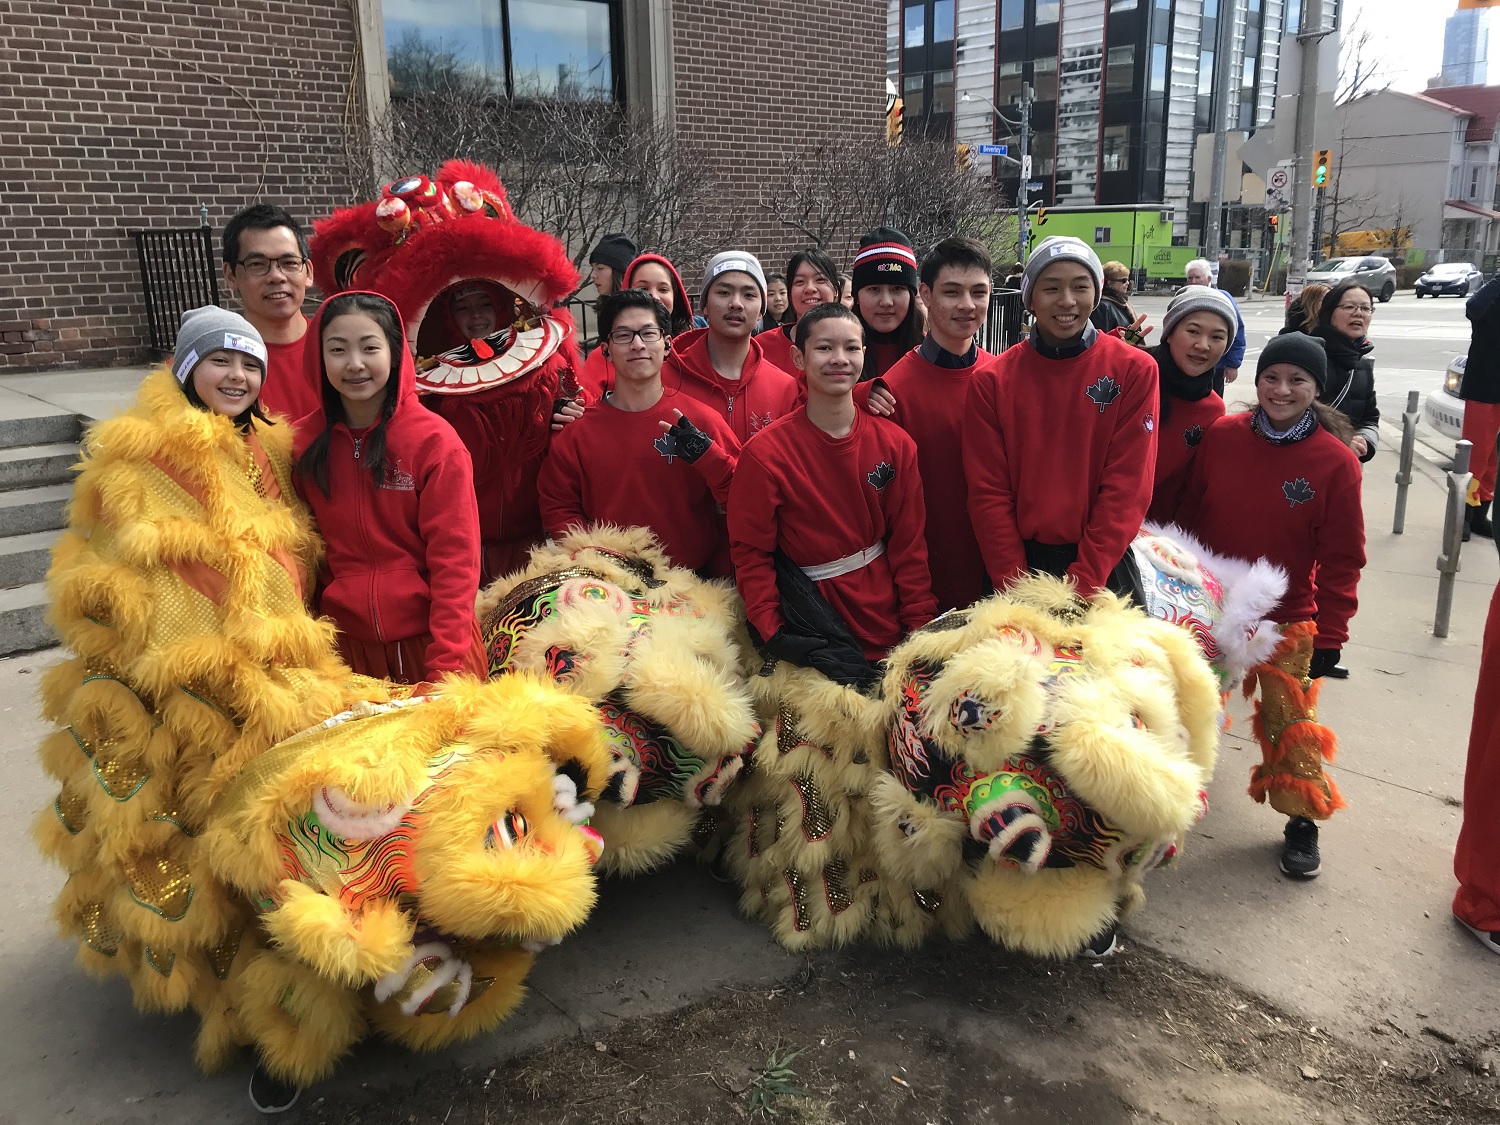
(121, 115)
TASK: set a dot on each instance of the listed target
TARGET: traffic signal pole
(1297, 248)
(1023, 196)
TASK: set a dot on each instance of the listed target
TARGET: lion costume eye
(508, 830)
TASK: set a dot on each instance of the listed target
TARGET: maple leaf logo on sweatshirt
(1298, 491)
(881, 475)
(1104, 391)
(666, 445)
(1192, 436)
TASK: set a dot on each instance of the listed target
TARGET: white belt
(846, 565)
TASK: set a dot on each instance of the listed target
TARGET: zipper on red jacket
(729, 410)
(364, 532)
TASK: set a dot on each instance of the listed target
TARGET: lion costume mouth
(497, 359)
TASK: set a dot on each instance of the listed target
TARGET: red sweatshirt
(287, 390)
(930, 405)
(776, 349)
(596, 377)
(402, 559)
(821, 498)
(762, 393)
(1176, 443)
(880, 358)
(608, 467)
(1297, 505)
(1061, 451)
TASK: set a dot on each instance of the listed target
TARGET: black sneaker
(1299, 858)
(271, 1095)
(1338, 672)
(1488, 940)
(1103, 944)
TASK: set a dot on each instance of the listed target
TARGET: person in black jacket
(1342, 325)
(1480, 390)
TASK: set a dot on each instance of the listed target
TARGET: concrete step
(25, 510)
(24, 558)
(30, 465)
(26, 420)
(23, 620)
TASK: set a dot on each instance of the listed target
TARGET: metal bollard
(1408, 452)
(1453, 536)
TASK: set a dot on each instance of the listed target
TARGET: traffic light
(1275, 219)
(963, 153)
(1041, 216)
(893, 121)
(1320, 167)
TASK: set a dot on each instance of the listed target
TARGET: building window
(1012, 15)
(915, 22)
(914, 103)
(1044, 78)
(1043, 154)
(1103, 236)
(1122, 5)
(1473, 182)
(942, 21)
(1120, 76)
(1046, 12)
(1010, 81)
(1114, 153)
(942, 93)
(515, 48)
(1158, 82)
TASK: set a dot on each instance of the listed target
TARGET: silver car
(1443, 410)
(1377, 275)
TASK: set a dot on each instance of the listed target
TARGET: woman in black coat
(1342, 324)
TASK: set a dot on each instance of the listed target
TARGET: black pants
(1055, 558)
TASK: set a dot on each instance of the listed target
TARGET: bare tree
(1363, 68)
(828, 194)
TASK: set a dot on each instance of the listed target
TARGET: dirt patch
(958, 1034)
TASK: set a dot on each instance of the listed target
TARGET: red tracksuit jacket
(1297, 505)
(930, 406)
(402, 559)
(609, 467)
(762, 393)
(1178, 436)
(1061, 451)
(821, 498)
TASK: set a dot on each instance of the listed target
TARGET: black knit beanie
(615, 251)
(885, 257)
(1300, 350)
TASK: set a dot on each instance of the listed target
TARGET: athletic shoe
(1488, 940)
(1299, 858)
(270, 1095)
(1338, 672)
(1103, 944)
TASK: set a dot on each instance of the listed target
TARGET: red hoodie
(402, 559)
(776, 349)
(597, 376)
(762, 393)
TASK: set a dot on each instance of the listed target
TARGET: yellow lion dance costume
(1045, 754)
(603, 614)
(179, 589)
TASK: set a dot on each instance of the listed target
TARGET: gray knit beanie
(1300, 350)
(212, 329)
(1060, 248)
(1199, 298)
(729, 261)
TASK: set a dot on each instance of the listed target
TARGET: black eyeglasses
(622, 337)
(288, 264)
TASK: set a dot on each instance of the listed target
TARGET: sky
(1408, 36)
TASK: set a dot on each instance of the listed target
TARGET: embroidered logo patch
(1192, 436)
(1104, 392)
(1298, 491)
(759, 422)
(666, 445)
(881, 475)
(1150, 422)
(398, 479)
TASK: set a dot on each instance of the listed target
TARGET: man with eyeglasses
(634, 459)
(266, 266)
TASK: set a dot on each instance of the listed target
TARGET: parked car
(1377, 275)
(1443, 410)
(1458, 278)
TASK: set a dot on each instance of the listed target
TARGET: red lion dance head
(429, 241)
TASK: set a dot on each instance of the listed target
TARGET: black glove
(1323, 661)
(791, 647)
(687, 440)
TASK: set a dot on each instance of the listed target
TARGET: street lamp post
(1023, 128)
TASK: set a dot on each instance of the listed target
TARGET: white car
(1443, 409)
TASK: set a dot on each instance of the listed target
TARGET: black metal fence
(1005, 323)
(177, 274)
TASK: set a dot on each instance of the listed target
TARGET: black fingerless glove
(791, 647)
(688, 441)
(1323, 661)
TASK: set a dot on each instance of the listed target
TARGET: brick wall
(126, 114)
(748, 94)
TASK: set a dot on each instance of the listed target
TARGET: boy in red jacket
(931, 387)
(1059, 441)
(721, 366)
(634, 459)
(837, 491)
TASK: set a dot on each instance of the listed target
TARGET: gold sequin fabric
(817, 819)
(836, 887)
(161, 884)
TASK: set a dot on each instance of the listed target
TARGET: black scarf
(1303, 427)
(1176, 383)
(1343, 352)
(1071, 350)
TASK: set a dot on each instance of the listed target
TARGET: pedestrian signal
(1321, 160)
(1041, 216)
(1275, 219)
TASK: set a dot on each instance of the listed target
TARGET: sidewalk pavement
(1369, 941)
(91, 392)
